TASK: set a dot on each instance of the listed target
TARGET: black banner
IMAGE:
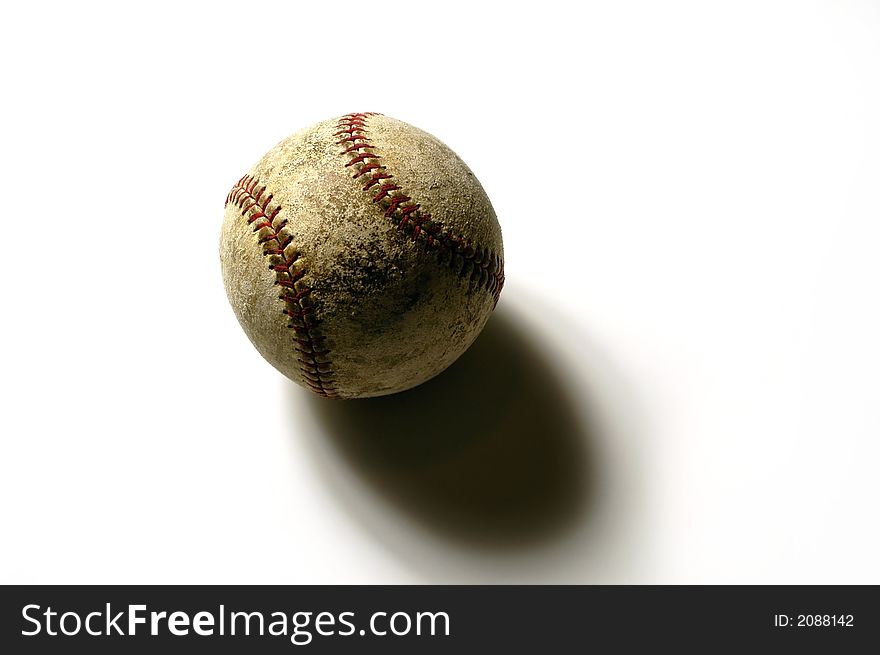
(436, 619)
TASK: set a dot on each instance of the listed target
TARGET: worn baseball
(361, 256)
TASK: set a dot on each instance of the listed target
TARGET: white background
(680, 383)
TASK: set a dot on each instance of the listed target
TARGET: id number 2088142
(813, 621)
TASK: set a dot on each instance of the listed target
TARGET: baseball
(361, 256)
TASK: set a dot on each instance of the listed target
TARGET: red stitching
(376, 178)
(479, 265)
(367, 168)
(310, 344)
(360, 157)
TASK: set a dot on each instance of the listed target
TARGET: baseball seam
(290, 271)
(479, 266)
